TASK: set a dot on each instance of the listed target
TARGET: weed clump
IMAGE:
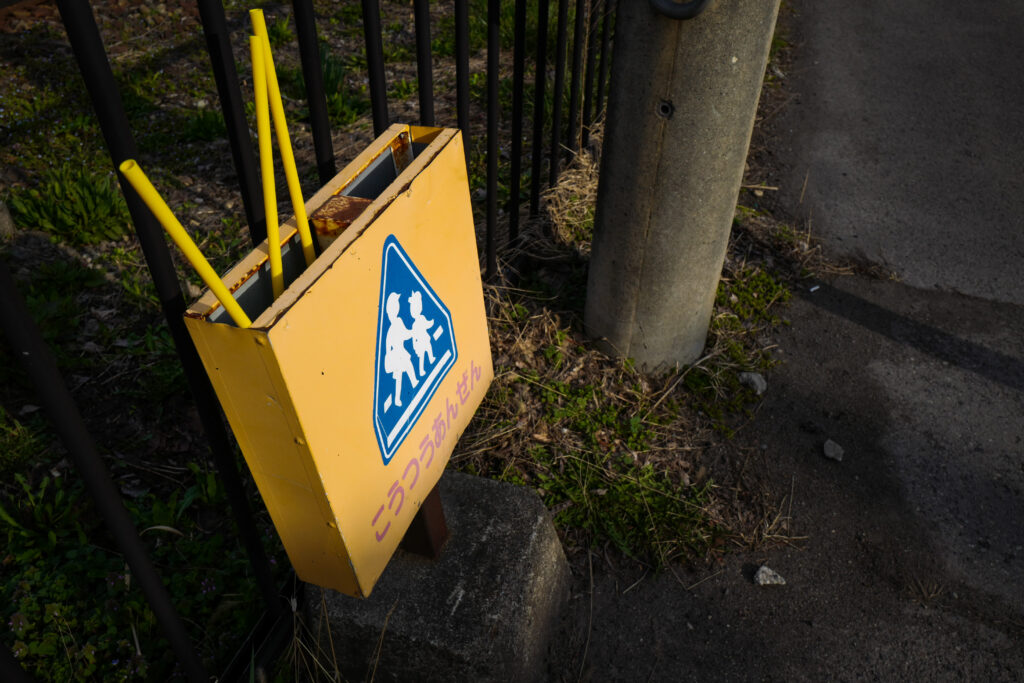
(750, 295)
(346, 100)
(72, 203)
(617, 454)
(20, 443)
(638, 508)
(610, 449)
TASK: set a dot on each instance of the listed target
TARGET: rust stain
(211, 311)
(401, 152)
(340, 211)
(245, 278)
(359, 171)
(384, 201)
(231, 288)
(337, 213)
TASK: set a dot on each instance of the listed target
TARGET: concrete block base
(483, 612)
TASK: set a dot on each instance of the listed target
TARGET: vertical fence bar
(375, 65)
(313, 76)
(424, 68)
(577, 68)
(588, 81)
(606, 36)
(493, 55)
(556, 112)
(539, 83)
(28, 345)
(218, 44)
(87, 46)
(462, 70)
(516, 161)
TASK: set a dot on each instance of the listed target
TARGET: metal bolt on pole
(680, 115)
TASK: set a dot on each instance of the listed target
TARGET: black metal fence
(581, 51)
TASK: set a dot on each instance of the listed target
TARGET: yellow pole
(137, 177)
(259, 80)
(284, 142)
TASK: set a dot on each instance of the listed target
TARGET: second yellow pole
(284, 142)
(259, 81)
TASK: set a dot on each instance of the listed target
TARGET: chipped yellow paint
(297, 386)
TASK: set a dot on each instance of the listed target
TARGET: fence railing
(582, 53)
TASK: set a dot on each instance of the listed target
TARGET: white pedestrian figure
(397, 360)
(420, 337)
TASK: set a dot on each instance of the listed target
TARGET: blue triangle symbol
(415, 348)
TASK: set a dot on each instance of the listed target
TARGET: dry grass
(557, 401)
(569, 205)
(582, 427)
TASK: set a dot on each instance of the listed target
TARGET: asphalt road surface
(902, 145)
(905, 140)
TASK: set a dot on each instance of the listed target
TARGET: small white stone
(754, 380)
(833, 451)
(768, 577)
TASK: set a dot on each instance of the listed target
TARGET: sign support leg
(429, 531)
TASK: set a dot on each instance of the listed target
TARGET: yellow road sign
(349, 391)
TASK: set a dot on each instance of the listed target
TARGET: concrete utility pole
(680, 114)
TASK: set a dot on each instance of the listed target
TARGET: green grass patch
(397, 42)
(139, 88)
(158, 361)
(603, 491)
(72, 203)
(346, 102)
(73, 608)
(746, 303)
(54, 296)
(590, 434)
(21, 443)
(443, 38)
(583, 410)
(403, 89)
(203, 125)
(127, 261)
(348, 15)
(750, 295)
(640, 510)
(279, 31)
(615, 452)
